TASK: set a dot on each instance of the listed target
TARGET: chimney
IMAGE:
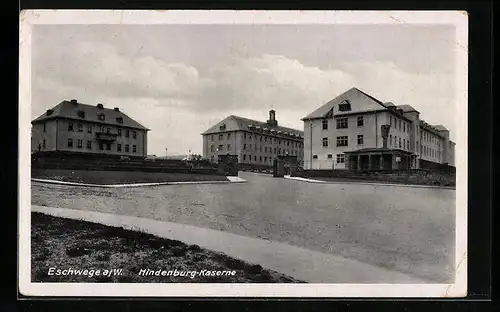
(117, 109)
(74, 102)
(100, 106)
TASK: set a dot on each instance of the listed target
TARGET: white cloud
(177, 102)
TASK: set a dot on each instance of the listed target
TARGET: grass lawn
(78, 245)
(120, 177)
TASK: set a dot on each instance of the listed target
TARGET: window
(265, 159)
(275, 150)
(119, 120)
(390, 140)
(44, 127)
(70, 142)
(255, 147)
(345, 106)
(330, 156)
(325, 142)
(265, 149)
(89, 129)
(342, 123)
(70, 126)
(255, 158)
(360, 139)
(108, 130)
(260, 138)
(134, 148)
(79, 143)
(89, 144)
(127, 133)
(361, 121)
(212, 137)
(340, 158)
(400, 125)
(404, 143)
(250, 137)
(221, 137)
(260, 158)
(342, 141)
(134, 134)
(244, 136)
(229, 136)
(43, 143)
(80, 128)
(244, 146)
(221, 148)
(244, 157)
(279, 151)
(108, 146)
(102, 117)
(81, 114)
(127, 148)
(228, 147)
(399, 142)
(119, 132)
(408, 144)
(325, 124)
(315, 156)
(212, 148)
(222, 127)
(287, 143)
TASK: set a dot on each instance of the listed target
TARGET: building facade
(80, 128)
(356, 131)
(255, 143)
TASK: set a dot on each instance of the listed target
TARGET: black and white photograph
(243, 153)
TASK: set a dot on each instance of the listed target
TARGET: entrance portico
(379, 159)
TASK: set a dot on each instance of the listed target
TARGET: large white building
(357, 131)
(256, 143)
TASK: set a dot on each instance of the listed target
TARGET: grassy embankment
(120, 177)
(64, 243)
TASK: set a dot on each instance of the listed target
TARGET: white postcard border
(28, 18)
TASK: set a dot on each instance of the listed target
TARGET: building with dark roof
(357, 131)
(81, 128)
(256, 143)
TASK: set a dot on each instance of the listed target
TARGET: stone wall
(415, 176)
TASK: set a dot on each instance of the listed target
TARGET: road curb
(369, 183)
(48, 181)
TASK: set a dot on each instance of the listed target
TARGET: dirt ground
(59, 245)
(120, 177)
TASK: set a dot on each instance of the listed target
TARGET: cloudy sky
(178, 80)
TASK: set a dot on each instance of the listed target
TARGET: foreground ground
(63, 244)
(120, 177)
(411, 230)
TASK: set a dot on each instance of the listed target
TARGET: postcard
(310, 154)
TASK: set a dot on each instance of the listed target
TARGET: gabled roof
(235, 123)
(359, 100)
(440, 128)
(66, 109)
(407, 108)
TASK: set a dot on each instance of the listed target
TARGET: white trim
(230, 180)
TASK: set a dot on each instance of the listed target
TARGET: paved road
(407, 229)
